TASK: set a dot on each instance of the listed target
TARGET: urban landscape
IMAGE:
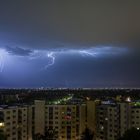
(71, 114)
(69, 70)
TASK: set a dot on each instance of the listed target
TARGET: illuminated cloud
(94, 52)
(51, 55)
(17, 51)
(4, 58)
(83, 67)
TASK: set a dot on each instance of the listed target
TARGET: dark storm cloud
(95, 21)
(49, 23)
(18, 51)
(53, 30)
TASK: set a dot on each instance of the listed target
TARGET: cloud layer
(72, 43)
(48, 24)
(17, 51)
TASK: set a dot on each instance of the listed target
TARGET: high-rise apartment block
(108, 120)
(13, 122)
(113, 119)
(66, 121)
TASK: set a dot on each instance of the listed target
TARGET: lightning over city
(69, 70)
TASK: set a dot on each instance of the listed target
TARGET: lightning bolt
(1, 61)
(51, 56)
(87, 53)
(95, 52)
(1, 64)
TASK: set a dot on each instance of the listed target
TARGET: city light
(1, 124)
(128, 99)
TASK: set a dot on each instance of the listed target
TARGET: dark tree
(38, 136)
(131, 134)
(2, 136)
(50, 134)
(87, 134)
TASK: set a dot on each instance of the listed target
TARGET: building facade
(63, 121)
(13, 122)
(113, 119)
(108, 120)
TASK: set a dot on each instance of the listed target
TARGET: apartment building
(108, 120)
(13, 122)
(113, 119)
(66, 121)
(124, 116)
(135, 117)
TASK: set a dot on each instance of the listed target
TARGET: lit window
(1, 124)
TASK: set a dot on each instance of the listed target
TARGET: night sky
(69, 44)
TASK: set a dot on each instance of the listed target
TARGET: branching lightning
(87, 53)
(1, 64)
(1, 60)
(51, 55)
(91, 52)
(52, 59)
